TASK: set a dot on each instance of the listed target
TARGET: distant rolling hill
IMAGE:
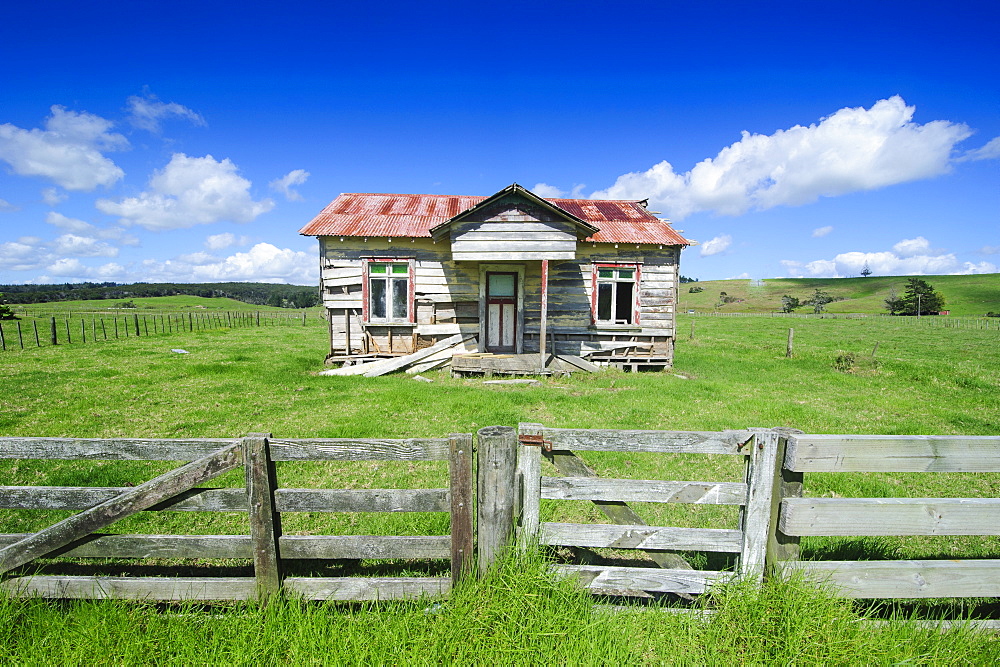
(964, 295)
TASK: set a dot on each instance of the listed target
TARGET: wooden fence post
(462, 523)
(34, 323)
(497, 490)
(20, 337)
(529, 477)
(265, 522)
(786, 484)
(3, 342)
(55, 340)
(791, 339)
(763, 457)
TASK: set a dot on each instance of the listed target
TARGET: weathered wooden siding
(447, 293)
(512, 229)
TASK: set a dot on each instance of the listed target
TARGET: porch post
(545, 314)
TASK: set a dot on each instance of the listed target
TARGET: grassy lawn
(970, 296)
(732, 373)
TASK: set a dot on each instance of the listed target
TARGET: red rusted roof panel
(413, 216)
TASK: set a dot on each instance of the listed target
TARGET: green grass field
(732, 373)
(969, 296)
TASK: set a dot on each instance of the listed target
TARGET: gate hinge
(535, 441)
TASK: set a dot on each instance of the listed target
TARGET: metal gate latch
(535, 441)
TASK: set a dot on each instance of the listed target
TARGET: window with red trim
(616, 291)
(388, 290)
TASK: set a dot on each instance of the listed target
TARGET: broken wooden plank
(419, 355)
(580, 363)
(131, 501)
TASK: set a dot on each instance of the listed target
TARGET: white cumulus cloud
(912, 247)
(148, 111)
(990, 151)
(190, 191)
(716, 245)
(52, 196)
(261, 263)
(285, 184)
(546, 191)
(7, 206)
(226, 240)
(852, 150)
(820, 232)
(69, 151)
(907, 258)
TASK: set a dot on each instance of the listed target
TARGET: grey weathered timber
(904, 578)
(641, 537)
(367, 588)
(497, 491)
(893, 453)
(461, 485)
(132, 588)
(571, 465)
(890, 516)
(85, 497)
(726, 442)
(582, 364)
(529, 476)
(134, 500)
(149, 546)
(359, 547)
(265, 522)
(643, 490)
(600, 578)
(402, 362)
(756, 521)
(351, 449)
(786, 485)
(362, 500)
(110, 449)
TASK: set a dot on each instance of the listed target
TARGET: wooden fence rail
(261, 498)
(500, 505)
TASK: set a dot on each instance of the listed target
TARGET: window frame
(366, 304)
(636, 269)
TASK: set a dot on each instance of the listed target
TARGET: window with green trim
(388, 291)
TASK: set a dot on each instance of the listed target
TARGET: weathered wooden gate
(262, 499)
(669, 572)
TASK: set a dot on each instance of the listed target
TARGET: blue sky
(190, 141)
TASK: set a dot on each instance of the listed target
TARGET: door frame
(519, 307)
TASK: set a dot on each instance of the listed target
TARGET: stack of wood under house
(511, 275)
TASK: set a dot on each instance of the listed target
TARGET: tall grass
(518, 614)
(730, 374)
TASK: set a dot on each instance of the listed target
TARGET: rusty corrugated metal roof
(413, 216)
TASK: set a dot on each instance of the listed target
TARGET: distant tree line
(258, 294)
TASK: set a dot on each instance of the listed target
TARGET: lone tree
(919, 298)
(6, 312)
(866, 271)
(818, 300)
(789, 303)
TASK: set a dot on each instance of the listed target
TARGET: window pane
(623, 302)
(604, 296)
(625, 275)
(378, 268)
(399, 298)
(377, 296)
(400, 268)
(500, 284)
(605, 273)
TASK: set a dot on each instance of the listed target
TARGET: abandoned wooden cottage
(514, 273)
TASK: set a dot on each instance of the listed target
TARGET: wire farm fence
(80, 327)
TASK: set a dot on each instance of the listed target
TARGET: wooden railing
(862, 517)
(262, 499)
(771, 512)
